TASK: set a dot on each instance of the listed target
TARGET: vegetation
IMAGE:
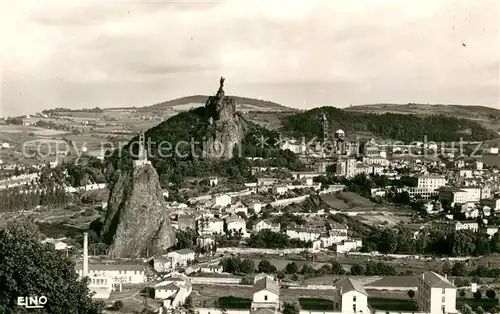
(273, 240)
(174, 161)
(233, 303)
(456, 243)
(290, 308)
(236, 265)
(316, 304)
(388, 125)
(28, 268)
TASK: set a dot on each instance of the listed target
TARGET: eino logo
(32, 302)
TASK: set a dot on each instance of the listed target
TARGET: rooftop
(266, 284)
(349, 284)
(437, 281)
(183, 251)
(112, 267)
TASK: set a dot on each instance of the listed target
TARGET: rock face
(137, 222)
(226, 129)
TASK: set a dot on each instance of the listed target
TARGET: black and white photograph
(250, 157)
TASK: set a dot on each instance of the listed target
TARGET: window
(443, 309)
(265, 298)
(444, 291)
(354, 299)
(443, 300)
(354, 308)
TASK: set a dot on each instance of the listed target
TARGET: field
(347, 201)
(239, 297)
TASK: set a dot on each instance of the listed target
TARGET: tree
(411, 294)
(357, 270)
(337, 269)
(477, 295)
(490, 293)
(118, 305)
(466, 309)
(291, 268)
(462, 293)
(266, 267)
(290, 308)
(280, 274)
(307, 270)
(295, 277)
(480, 310)
(29, 268)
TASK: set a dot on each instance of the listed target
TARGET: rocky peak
(220, 107)
(137, 222)
(226, 127)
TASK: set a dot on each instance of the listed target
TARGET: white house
(347, 246)
(266, 224)
(280, 189)
(436, 294)
(174, 290)
(236, 223)
(432, 182)
(162, 264)
(303, 234)
(257, 207)
(350, 297)
(58, 244)
(266, 294)
(124, 273)
(207, 226)
(181, 257)
(222, 200)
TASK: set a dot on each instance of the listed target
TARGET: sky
(302, 54)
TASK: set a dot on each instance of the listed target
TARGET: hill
(486, 116)
(190, 102)
(394, 126)
(184, 145)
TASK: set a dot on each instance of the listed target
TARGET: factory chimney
(85, 255)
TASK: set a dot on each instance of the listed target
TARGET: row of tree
(273, 240)
(455, 243)
(15, 199)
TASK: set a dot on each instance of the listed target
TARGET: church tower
(142, 156)
(324, 127)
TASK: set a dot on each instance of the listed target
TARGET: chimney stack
(85, 254)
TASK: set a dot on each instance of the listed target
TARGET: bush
(490, 293)
(477, 295)
(462, 293)
(118, 305)
(411, 294)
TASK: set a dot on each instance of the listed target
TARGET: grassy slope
(197, 100)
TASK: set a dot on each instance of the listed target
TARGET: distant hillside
(401, 127)
(190, 102)
(486, 116)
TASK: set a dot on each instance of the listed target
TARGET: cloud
(299, 53)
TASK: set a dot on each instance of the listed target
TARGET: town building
(266, 224)
(222, 200)
(346, 166)
(209, 226)
(236, 224)
(266, 295)
(436, 294)
(124, 273)
(431, 182)
(181, 257)
(350, 297)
